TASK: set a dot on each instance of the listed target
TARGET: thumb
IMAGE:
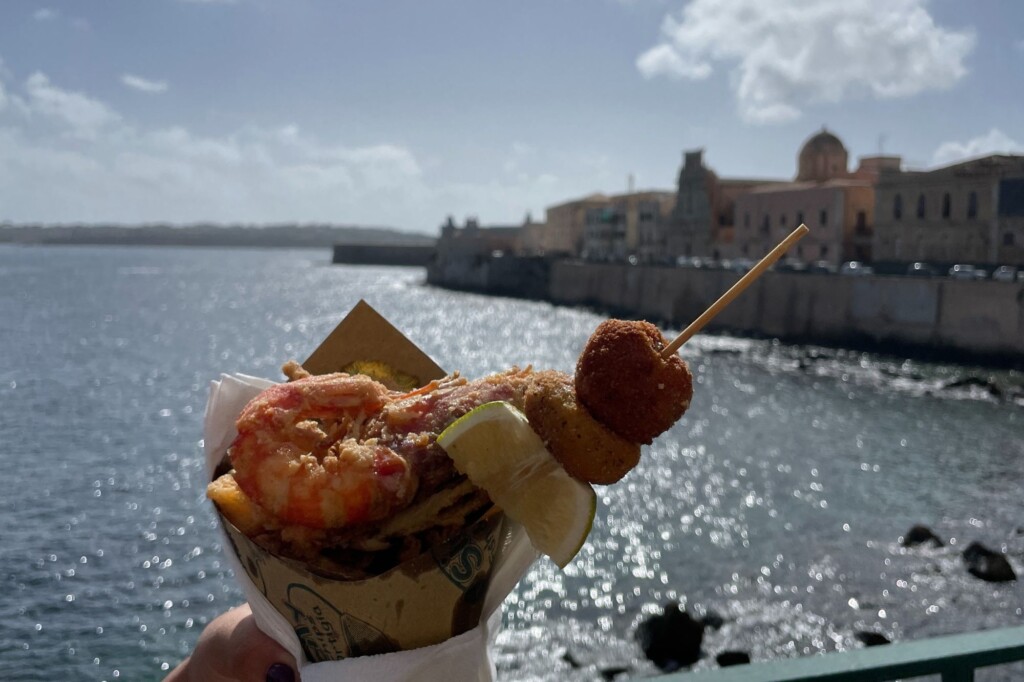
(255, 656)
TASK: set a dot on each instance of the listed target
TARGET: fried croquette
(624, 382)
(586, 449)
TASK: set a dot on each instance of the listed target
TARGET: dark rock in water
(728, 658)
(919, 535)
(672, 639)
(986, 564)
(868, 638)
(610, 673)
(713, 620)
(570, 659)
(976, 382)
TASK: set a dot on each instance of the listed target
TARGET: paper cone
(424, 601)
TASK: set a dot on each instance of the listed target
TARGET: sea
(774, 507)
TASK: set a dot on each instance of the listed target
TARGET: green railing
(954, 657)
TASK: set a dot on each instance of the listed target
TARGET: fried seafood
(624, 382)
(344, 472)
(299, 454)
(587, 449)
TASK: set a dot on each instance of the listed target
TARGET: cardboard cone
(424, 601)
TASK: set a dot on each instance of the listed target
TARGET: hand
(233, 649)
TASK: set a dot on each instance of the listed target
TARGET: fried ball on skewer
(624, 382)
(587, 449)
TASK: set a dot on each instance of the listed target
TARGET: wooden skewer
(735, 290)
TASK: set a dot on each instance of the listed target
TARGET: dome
(822, 157)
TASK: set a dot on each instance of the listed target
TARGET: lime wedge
(494, 446)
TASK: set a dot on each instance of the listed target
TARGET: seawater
(777, 501)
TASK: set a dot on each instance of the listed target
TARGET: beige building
(474, 240)
(969, 212)
(565, 224)
(703, 218)
(609, 227)
(836, 204)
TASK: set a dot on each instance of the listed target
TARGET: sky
(404, 112)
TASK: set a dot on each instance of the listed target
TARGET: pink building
(836, 204)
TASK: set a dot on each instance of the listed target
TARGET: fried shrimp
(624, 382)
(299, 453)
(586, 449)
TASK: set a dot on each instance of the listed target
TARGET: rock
(728, 658)
(712, 619)
(671, 640)
(988, 565)
(610, 673)
(976, 382)
(868, 638)
(919, 535)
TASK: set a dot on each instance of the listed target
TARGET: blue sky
(400, 113)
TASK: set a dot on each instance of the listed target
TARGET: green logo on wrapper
(327, 634)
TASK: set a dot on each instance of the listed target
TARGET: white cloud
(45, 14)
(664, 60)
(68, 157)
(83, 115)
(785, 53)
(994, 141)
(143, 84)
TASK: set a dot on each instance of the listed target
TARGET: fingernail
(279, 672)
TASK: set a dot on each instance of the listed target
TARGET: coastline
(963, 322)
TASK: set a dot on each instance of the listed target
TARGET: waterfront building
(534, 239)
(473, 239)
(703, 216)
(566, 223)
(836, 204)
(613, 227)
(967, 212)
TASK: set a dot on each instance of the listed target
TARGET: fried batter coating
(586, 448)
(624, 382)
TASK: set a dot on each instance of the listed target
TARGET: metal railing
(954, 657)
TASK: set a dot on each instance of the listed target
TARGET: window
(782, 220)
(862, 221)
(972, 205)
(920, 206)
(824, 251)
(746, 220)
(766, 226)
(945, 205)
(897, 208)
(799, 217)
(1008, 239)
(823, 217)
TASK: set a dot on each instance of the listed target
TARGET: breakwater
(963, 321)
(383, 254)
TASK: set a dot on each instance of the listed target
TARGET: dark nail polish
(279, 672)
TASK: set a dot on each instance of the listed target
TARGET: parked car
(741, 265)
(921, 270)
(791, 265)
(855, 268)
(690, 262)
(1004, 273)
(823, 267)
(962, 271)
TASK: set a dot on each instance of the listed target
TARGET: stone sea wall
(963, 321)
(978, 319)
